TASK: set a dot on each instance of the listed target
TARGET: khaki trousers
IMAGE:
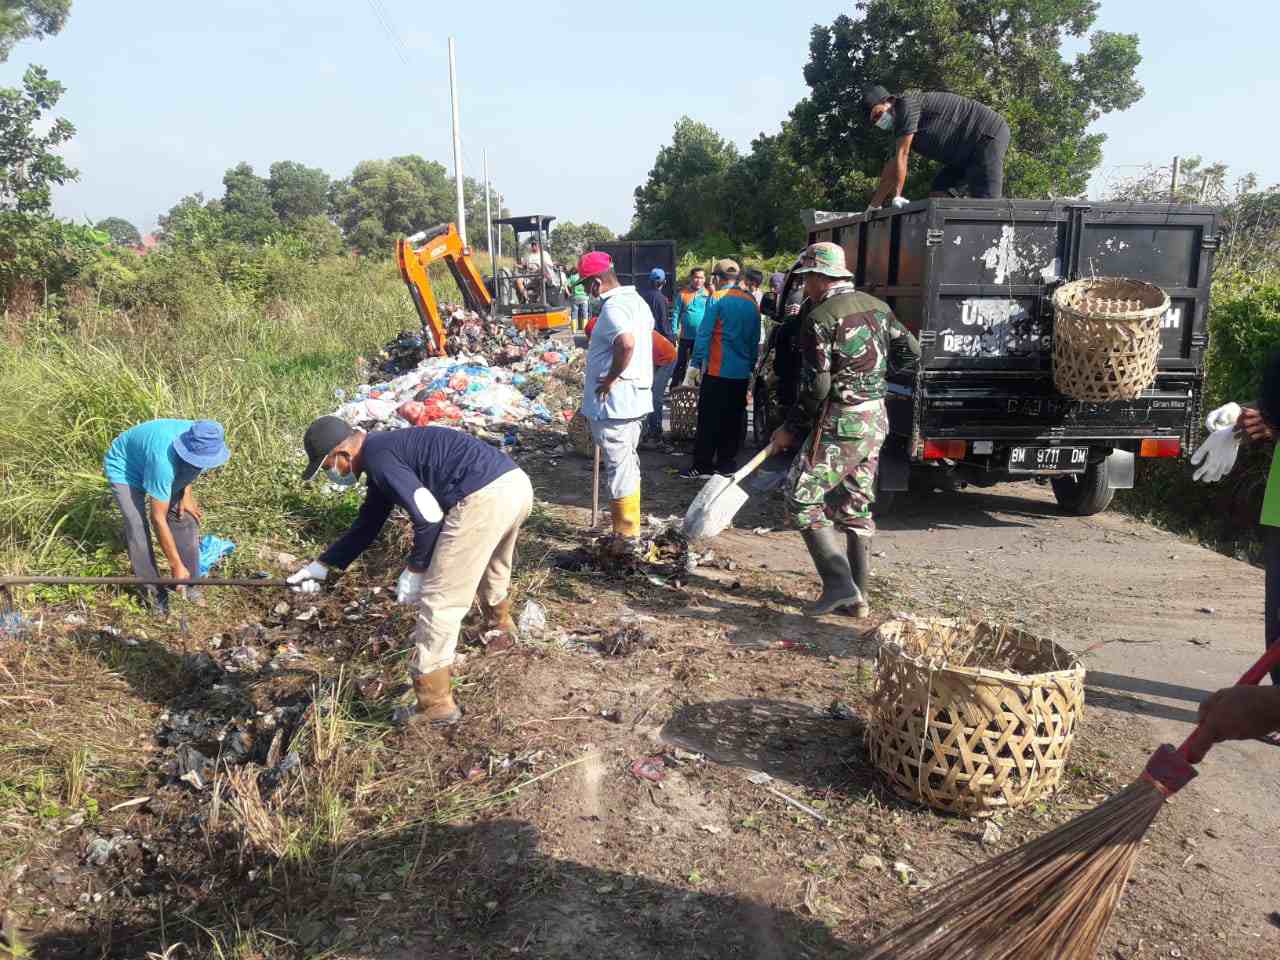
(474, 553)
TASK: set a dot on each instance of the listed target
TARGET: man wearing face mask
(968, 138)
(466, 501)
(159, 461)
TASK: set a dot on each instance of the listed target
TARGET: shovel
(719, 500)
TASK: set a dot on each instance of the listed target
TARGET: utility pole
(1173, 187)
(457, 149)
(488, 212)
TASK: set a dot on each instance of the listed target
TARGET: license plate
(1048, 459)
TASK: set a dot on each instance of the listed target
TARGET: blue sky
(167, 95)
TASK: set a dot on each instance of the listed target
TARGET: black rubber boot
(838, 588)
(859, 550)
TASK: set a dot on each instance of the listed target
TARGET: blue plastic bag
(213, 549)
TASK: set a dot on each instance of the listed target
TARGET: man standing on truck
(466, 501)
(691, 304)
(968, 138)
(725, 354)
(841, 420)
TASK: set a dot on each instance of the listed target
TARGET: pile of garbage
(495, 377)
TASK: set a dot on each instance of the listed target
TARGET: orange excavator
(526, 297)
(415, 255)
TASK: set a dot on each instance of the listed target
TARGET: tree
(29, 165)
(297, 192)
(570, 240)
(29, 20)
(383, 199)
(1005, 53)
(768, 191)
(121, 231)
(684, 198)
(246, 206)
(193, 223)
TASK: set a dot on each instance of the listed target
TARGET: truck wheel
(1084, 494)
(761, 414)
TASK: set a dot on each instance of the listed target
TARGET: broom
(1052, 897)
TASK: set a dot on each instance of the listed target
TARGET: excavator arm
(415, 254)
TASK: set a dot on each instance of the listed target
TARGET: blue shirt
(632, 395)
(447, 463)
(729, 337)
(690, 307)
(144, 458)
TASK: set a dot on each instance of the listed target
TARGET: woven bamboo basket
(972, 718)
(1106, 337)
(682, 402)
(580, 435)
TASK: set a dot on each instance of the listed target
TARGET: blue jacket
(729, 336)
(689, 310)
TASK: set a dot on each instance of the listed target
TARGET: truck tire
(1086, 493)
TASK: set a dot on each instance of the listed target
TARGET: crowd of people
(831, 346)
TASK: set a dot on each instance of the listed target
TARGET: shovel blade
(716, 514)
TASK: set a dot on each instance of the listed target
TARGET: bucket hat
(203, 445)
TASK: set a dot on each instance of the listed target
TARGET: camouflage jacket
(845, 342)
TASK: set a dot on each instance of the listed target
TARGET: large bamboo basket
(971, 717)
(682, 403)
(1106, 337)
(580, 435)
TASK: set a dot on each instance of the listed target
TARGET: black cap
(754, 275)
(872, 95)
(321, 437)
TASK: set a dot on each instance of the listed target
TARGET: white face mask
(886, 120)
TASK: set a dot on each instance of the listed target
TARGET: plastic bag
(533, 619)
(213, 549)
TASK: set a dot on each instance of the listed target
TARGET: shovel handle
(753, 463)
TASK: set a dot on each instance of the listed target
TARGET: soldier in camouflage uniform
(845, 342)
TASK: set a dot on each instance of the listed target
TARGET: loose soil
(602, 797)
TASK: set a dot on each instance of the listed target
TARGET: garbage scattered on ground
(14, 624)
(991, 834)
(869, 861)
(653, 769)
(494, 377)
(627, 640)
(213, 549)
(803, 807)
(759, 778)
(533, 619)
(839, 710)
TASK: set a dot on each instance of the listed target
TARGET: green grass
(263, 370)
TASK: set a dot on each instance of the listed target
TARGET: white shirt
(623, 311)
(534, 262)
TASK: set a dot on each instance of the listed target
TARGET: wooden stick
(145, 581)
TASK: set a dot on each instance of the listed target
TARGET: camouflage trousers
(837, 486)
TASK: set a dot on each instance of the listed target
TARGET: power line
(389, 30)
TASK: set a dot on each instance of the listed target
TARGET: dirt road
(1164, 622)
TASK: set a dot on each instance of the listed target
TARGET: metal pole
(457, 149)
(488, 212)
(498, 239)
(1173, 187)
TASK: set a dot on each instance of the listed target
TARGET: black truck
(974, 280)
(633, 259)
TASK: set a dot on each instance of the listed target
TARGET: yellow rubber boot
(626, 516)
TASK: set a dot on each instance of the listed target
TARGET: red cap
(591, 264)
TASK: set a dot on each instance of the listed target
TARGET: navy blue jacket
(449, 464)
(660, 307)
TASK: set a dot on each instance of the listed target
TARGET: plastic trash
(213, 549)
(533, 619)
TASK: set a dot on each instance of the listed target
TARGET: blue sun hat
(203, 445)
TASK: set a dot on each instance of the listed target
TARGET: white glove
(692, 377)
(1225, 416)
(900, 202)
(1218, 453)
(869, 211)
(409, 586)
(307, 580)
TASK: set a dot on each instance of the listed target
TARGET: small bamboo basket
(580, 435)
(683, 404)
(1106, 338)
(970, 717)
